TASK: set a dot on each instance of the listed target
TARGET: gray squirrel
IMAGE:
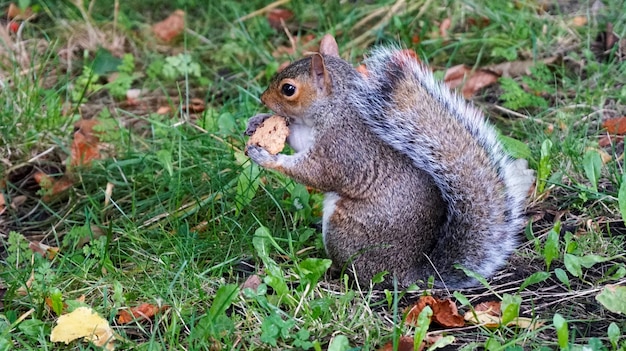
(415, 179)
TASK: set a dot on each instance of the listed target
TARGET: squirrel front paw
(261, 156)
(255, 121)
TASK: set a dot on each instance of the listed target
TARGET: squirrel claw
(255, 121)
(259, 155)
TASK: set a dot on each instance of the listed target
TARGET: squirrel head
(298, 88)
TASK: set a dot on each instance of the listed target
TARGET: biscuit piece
(271, 135)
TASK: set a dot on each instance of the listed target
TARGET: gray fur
(416, 179)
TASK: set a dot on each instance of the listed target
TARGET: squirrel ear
(328, 46)
(319, 75)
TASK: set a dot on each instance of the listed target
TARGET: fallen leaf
(607, 140)
(44, 250)
(526, 323)
(444, 27)
(23, 289)
(252, 282)
(2, 203)
(514, 69)
(480, 22)
(84, 323)
(52, 187)
(471, 81)
(615, 125)
(579, 21)
(16, 13)
(163, 110)
(196, 105)
(445, 312)
(170, 27)
(84, 147)
(143, 311)
(414, 311)
(485, 318)
(276, 17)
(404, 344)
(485, 313)
(492, 307)
(18, 201)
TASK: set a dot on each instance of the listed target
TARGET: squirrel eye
(288, 89)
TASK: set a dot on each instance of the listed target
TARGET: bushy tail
(442, 134)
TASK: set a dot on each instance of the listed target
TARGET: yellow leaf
(85, 323)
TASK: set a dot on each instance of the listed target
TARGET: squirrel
(415, 179)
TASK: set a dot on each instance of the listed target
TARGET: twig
(263, 10)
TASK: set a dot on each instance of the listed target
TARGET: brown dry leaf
(16, 13)
(44, 250)
(485, 318)
(196, 105)
(455, 75)
(414, 311)
(518, 68)
(252, 282)
(492, 307)
(18, 201)
(84, 323)
(479, 22)
(276, 17)
(526, 323)
(447, 315)
(485, 313)
(52, 187)
(143, 311)
(615, 125)
(171, 27)
(444, 27)
(2, 203)
(84, 147)
(607, 140)
(405, 344)
(163, 110)
(471, 81)
(579, 21)
(445, 312)
(23, 289)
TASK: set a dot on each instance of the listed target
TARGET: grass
(190, 219)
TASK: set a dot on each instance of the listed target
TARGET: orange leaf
(15, 13)
(143, 311)
(444, 27)
(579, 21)
(44, 250)
(84, 147)
(414, 311)
(455, 76)
(615, 125)
(445, 312)
(170, 27)
(405, 344)
(276, 17)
